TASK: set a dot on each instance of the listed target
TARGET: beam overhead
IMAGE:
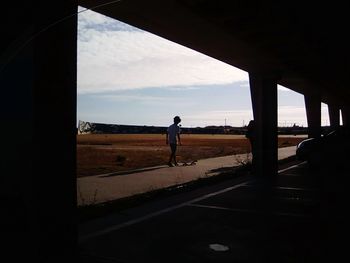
(306, 44)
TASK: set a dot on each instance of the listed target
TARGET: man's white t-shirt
(173, 130)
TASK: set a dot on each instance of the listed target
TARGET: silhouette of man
(251, 135)
(172, 138)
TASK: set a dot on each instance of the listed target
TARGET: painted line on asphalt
(84, 238)
(295, 188)
(223, 208)
(251, 211)
(291, 167)
(160, 212)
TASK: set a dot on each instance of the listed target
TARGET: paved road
(102, 188)
(240, 220)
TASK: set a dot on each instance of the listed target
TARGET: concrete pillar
(264, 101)
(38, 109)
(334, 116)
(313, 114)
(54, 124)
(345, 113)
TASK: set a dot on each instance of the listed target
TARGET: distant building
(103, 128)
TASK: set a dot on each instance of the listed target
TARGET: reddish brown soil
(105, 153)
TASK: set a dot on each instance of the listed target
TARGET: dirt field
(105, 153)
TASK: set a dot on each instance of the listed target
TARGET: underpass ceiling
(305, 45)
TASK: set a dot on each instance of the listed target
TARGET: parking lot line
(84, 238)
(291, 167)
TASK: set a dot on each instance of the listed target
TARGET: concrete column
(38, 116)
(264, 101)
(345, 113)
(334, 116)
(54, 130)
(38, 109)
(313, 114)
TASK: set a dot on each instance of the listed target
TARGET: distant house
(103, 128)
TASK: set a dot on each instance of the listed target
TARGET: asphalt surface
(299, 216)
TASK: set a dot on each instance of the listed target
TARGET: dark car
(330, 149)
(305, 148)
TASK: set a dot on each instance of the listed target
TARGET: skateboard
(189, 163)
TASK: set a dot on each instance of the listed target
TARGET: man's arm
(178, 137)
(166, 138)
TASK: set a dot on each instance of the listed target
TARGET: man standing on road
(251, 135)
(172, 137)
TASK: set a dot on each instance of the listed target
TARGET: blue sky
(129, 76)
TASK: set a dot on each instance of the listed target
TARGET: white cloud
(143, 99)
(281, 88)
(289, 115)
(235, 118)
(116, 56)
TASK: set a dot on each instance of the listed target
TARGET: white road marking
(219, 247)
(160, 212)
(252, 211)
(84, 238)
(223, 208)
(291, 167)
(296, 188)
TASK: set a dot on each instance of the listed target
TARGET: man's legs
(254, 156)
(173, 154)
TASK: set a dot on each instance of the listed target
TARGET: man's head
(177, 119)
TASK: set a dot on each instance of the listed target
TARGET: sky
(132, 77)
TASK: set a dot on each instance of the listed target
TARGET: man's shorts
(173, 147)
